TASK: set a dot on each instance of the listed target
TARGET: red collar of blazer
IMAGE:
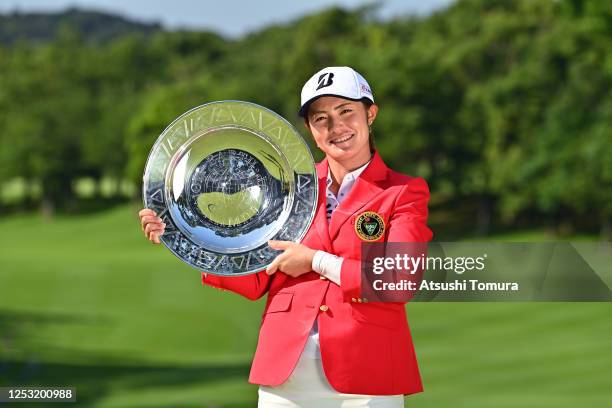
(366, 187)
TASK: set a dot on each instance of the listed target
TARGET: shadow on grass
(97, 380)
(94, 375)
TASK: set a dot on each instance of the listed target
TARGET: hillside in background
(94, 26)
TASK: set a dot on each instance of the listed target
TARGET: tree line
(503, 106)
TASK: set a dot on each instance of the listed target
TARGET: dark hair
(366, 104)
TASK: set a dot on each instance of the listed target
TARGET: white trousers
(308, 387)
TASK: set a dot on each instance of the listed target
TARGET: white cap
(344, 82)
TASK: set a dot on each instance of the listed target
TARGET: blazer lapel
(367, 187)
(320, 219)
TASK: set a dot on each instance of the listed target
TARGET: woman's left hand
(296, 259)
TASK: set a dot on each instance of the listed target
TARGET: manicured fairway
(86, 302)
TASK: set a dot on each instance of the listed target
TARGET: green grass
(87, 302)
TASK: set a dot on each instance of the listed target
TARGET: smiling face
(340, 128)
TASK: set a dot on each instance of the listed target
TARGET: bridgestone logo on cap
(325, 79)
(343, 82)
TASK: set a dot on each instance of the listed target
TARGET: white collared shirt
(324, 263)
(347, 184)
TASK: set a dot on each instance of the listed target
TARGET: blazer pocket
(378, 315)
(281, 302)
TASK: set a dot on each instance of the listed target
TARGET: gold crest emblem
(369, 226)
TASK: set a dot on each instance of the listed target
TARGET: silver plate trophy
(225, 178)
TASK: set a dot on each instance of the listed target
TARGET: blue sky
(229, 17)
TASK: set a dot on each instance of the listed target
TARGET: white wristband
(327, 265)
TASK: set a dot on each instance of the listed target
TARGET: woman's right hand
(152, 225)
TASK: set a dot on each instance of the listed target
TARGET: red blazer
(366, 347)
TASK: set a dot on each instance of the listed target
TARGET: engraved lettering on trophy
(291, 146)
(300, 207)
(170, 226)
(188, 127)
(222, 115)
(187, 250)
(190, 250)
(213, 114)
(231, 117)
(171, 141)
(264, 126)
(157, 208)
(221, 261)
(157, 196)
(302, 182)
(247, 118)
(205, 259)
(238, 261)
(277, 131)
(248, 260)
(273, 128)
(203, 118)
(284, 235)
(178, 240)
(255, 258)
(169, 237)
(173, 240)
(194, 251)
(298, 159)
(168, 153)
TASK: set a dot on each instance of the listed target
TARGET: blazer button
(365, 300)
(359, 300)
(353, 300)
(323, 308)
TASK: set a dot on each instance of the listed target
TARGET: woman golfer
(321, 343)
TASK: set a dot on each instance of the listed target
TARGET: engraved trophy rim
(296, 170)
